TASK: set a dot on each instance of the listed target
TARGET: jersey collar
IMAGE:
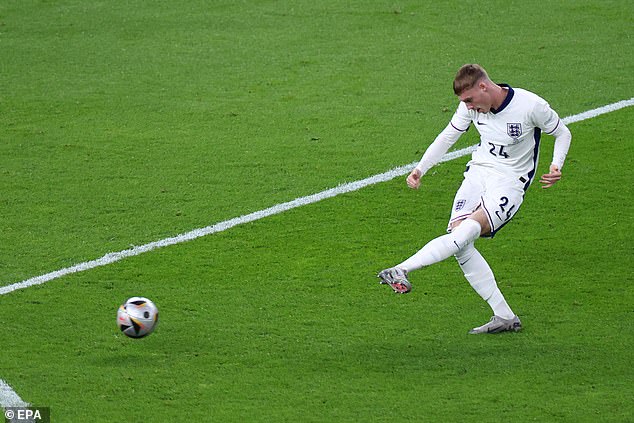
(507, 100)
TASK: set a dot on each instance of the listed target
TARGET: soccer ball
(137, 317)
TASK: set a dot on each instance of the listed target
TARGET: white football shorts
(499, 195)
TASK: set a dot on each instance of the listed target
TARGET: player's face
(477, 98)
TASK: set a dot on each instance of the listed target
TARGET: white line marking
(599, 111)
(279, 208)
(8, 397)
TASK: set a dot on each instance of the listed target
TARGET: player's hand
(413, 180)
(549, 179)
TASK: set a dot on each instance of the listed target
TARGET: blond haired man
(510, 122)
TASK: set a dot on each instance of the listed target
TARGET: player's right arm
(441, 145)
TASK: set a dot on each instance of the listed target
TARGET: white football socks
(444, 246)
(459, 243)
(480, 276)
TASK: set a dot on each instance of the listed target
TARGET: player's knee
(467, 232)
(480, 217)
(465, 253)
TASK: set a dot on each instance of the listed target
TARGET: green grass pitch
(123, 123)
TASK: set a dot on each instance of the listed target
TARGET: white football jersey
(510, 135)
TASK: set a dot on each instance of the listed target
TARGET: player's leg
(444, 246)
(466, 200)
(500, 203)
(436, 250)
(480, 276)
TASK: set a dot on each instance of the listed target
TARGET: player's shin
(480, 276)
(445, 246)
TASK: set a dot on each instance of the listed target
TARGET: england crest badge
(514, 130)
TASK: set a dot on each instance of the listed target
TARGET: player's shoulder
(536, 109)
(463, 111)
(528, 96)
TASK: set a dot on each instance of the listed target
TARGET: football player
(510, 122)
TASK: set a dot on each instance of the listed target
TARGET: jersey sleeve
(545, 118)
(457, 126)
(462, 118)
(548, 120)
(438, 148)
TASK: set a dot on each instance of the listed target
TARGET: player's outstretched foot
(397, 280)
(498, 324)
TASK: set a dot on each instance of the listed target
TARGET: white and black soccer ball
(137, 317)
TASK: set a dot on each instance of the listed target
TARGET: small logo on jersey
(514, 130)
(480, 123)
(460, 204)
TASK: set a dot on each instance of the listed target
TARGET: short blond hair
(467, 77)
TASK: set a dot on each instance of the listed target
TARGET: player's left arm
(548, 118)
(563, 138)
